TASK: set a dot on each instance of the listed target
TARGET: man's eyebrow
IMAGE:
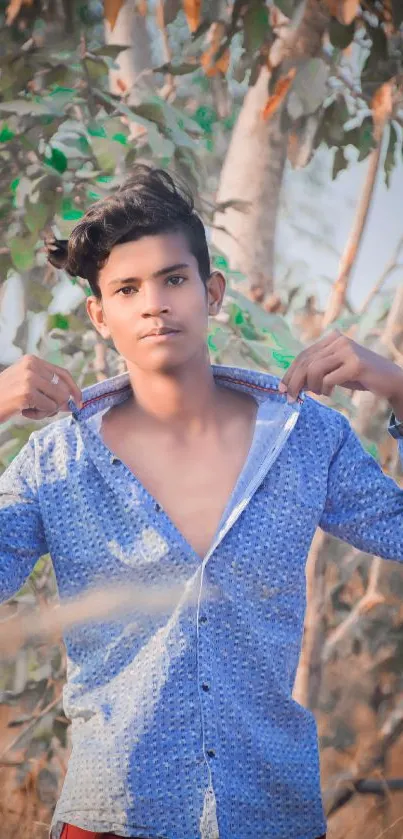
(162, 271)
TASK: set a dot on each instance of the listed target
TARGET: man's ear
(215, 292)
(95, 312)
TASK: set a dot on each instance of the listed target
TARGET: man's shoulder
(323, 425)
(59, 438)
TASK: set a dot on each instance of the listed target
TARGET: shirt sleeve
(22, 539)
(364, 507)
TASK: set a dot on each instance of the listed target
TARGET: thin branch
(31, 725)
(348, 782)
(91, 98)
(390, 266)
(371, 598)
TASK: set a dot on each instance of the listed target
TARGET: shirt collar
(113, 391)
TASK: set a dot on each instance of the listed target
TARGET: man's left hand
(338, 360)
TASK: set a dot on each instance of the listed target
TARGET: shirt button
(157, 508)
(205, 686)
(202, 619)
(210, 753)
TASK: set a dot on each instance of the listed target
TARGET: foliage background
(258, 105)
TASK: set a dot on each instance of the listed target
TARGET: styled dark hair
(149, 202)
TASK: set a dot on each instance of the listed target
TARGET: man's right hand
(36, 389)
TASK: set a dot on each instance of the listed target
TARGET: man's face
(154, 284)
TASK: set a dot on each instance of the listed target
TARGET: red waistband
(71, 832)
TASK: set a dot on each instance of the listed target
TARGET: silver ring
(55, 379)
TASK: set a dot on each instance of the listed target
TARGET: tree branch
(371, 598)
(348, 783)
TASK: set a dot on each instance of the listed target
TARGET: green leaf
(171, 10)
(341, 36)
(220, 263)
(36, 216)
(120, 138)
(109, 50)
(59, 97)
(375, 67)
(58, 321)
(96, 69)
(70, 211)
(57, 160)
(397, 12)
(24, 107)
(6, 134)
(367, 140)
(256, 26)
(287, 7)
(205, 116)
(162, 147)
(265, 322)
(107, 153)
(339, 163)
(389, 163)
(22, 250)
(181, 69)
(332, 127)
(96, 130)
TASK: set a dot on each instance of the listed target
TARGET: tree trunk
(252, 172)
(254, 166)
(129, 28)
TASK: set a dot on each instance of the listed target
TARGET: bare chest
(192, 486)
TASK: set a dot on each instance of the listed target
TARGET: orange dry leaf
(111, 11)
(14, 8)
(211, 67)
(382, 104)
(344, 10)
(192, 9)
(121, 85)
(281, 88)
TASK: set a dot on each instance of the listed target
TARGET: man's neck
(184, 403)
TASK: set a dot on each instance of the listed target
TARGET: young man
(212, 479)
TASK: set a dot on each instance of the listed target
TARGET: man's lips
(161, 332)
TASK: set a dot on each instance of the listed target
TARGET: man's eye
(176, 280)
(126, 288)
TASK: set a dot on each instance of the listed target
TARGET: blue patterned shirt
(183, 721)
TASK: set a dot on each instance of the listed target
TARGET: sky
(333, 204)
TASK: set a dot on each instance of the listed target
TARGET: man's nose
(154, 303)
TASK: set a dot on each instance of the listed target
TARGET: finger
(302, 359)
(73, 388)
(297, 378)
(34, 414)
(39, 401)
(318, 369)
(344, 375)
(59, 392)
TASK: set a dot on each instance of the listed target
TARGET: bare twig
(31, 725)
(91, 99)
(350, 254)
(371, 598)
(390, 266)
(347, 784)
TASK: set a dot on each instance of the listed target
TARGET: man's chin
(161, 362)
